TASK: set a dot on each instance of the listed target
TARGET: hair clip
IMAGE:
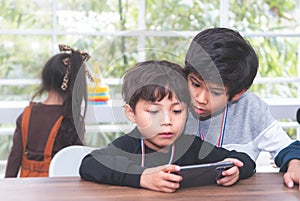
(85, 56)
(67, 62)
(64, 84)
(65, 48)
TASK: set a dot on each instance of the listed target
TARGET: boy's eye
(216, 93)
(177, 111)
(153, 111)
(196, 84)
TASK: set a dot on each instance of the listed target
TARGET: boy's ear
(237, 96)
(129, 113)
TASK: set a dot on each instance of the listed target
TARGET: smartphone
(202, 174)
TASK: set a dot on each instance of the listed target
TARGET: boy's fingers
(173, 177)
(288, 181)
(230, 171)
(172, 168)
(227, 181)
(235, 161)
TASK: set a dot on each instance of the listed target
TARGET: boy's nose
(201, 97)
(166, 121)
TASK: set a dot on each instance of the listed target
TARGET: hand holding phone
(203, 174)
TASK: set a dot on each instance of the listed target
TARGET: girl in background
(46, 127)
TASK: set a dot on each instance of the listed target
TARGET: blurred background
(118, 33)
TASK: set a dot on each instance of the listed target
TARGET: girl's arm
(15, 156)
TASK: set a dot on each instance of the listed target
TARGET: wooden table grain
(261, 186)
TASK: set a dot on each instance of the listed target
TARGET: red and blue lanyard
(222, 129)
(143, 153)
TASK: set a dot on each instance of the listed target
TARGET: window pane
(278, 59)
(24, 14)
(181, 14)
(23, 56)
(262, 15)
(97, 15)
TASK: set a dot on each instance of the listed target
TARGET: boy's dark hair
(154, 80)
(222, 56)
(52, 78)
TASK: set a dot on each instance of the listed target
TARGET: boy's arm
(110, 166)
(288, 153)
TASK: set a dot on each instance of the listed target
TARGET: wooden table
(262, 186)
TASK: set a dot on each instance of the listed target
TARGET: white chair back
(66, 162)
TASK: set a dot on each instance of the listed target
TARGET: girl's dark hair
(52, 78)
(222, 56)
(154, 80)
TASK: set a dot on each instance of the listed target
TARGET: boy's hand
(161, 178)
(292, 176)
(231, 175)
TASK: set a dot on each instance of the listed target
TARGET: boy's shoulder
(252, 108)
(130, 138)
(250, 99)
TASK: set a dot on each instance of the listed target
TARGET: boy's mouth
(199, 111)
(166, 134)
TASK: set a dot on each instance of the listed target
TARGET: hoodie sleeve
(288, 153)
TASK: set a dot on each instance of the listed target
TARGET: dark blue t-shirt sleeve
(285, 155)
